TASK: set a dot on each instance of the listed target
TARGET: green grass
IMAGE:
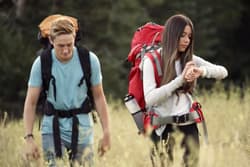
(227, 118)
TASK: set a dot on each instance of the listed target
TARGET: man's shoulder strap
(84, 57)
(46, 64)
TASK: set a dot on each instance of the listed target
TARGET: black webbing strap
(86, 68)
(56, 136)
(50, 110)
(46, 64)
(46, 67)
(74, 137)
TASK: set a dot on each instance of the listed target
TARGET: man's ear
(51, 41)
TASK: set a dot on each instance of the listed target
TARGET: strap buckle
(186, 118)
(176, 119)
(181, 119)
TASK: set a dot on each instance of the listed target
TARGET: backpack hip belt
(195, 115)
(185, 119)
(49, 110)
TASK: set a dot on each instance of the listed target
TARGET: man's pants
(84, 155)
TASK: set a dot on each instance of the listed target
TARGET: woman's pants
(190, 142)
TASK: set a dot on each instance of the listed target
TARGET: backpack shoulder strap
(156, 60)
(84, 58)
(46, 65)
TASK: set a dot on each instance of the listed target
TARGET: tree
(108, 26)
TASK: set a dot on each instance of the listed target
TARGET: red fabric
(147, 120)
(144, 36)
(196, 107)
(135, 80)
(136, 85)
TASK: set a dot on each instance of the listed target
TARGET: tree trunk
(20, 4)
(57, 4)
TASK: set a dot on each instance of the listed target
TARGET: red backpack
(145, 42)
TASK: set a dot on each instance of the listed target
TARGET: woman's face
(185, 39)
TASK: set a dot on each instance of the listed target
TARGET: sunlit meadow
(227, 116)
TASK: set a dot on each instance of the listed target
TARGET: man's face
(63, 45)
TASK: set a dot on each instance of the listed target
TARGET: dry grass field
(227, 118)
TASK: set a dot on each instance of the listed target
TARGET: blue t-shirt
(68, 94)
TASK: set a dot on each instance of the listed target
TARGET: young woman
(173, 98)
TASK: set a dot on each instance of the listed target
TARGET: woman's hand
(193, 73)
(186, 73)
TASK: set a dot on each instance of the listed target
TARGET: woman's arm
(152, 94)
(210, 70)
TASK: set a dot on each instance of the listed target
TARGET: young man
(65, 94)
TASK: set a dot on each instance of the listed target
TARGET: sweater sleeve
(152, 94)
(211, 70)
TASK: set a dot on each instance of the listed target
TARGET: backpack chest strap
(49, 110)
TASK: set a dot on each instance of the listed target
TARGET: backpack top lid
(148, 34)
(45, 25)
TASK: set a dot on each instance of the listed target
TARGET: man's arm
(101, 108)
(29, 119)
(30, 108)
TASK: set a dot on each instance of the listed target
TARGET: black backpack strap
(46, 66)
(86, 68)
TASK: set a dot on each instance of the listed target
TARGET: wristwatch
(28, 136)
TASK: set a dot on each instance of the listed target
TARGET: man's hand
(31, 151)
(104, 144)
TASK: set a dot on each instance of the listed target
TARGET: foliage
(107, 27)
(226, 118)
(14, 72)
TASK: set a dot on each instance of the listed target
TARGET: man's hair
(61, 26)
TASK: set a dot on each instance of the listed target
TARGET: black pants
(190, 142)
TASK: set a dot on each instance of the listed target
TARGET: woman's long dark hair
(174, 28)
